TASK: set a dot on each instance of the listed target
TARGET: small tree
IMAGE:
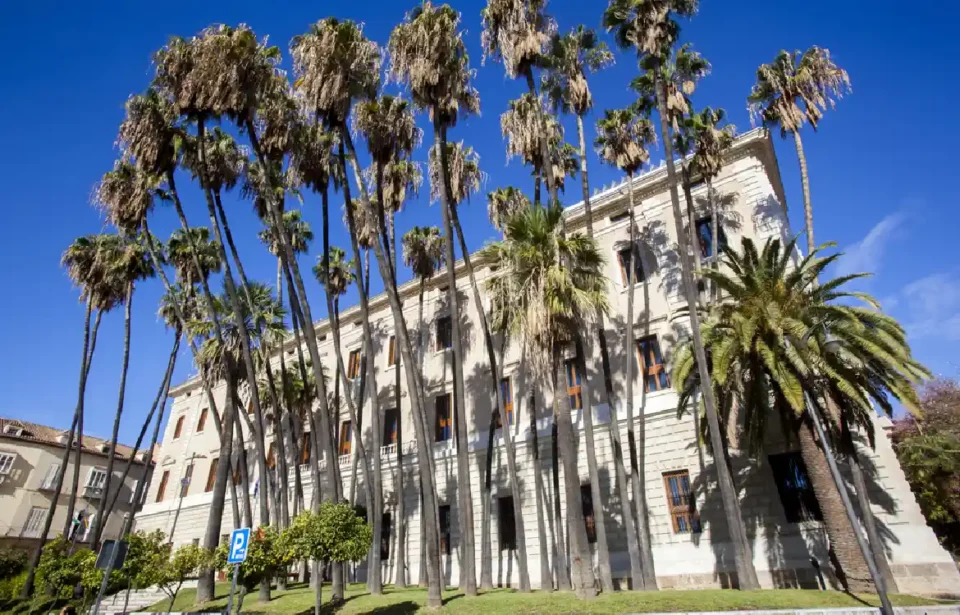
(60, 571)
(335, 534)
(12, 561)
(187, 561)
(267, 555)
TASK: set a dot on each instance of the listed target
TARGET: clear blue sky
(878, 165)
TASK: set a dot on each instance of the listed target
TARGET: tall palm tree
(648, 27)
(623, 136)
(427, 53)
(545, 301)
(793, 90)
(783, 340)
(503, 204)
(132, 265)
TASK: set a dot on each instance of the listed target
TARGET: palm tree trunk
(415, 386)
(400, 574)
(27, 589)
(805, 183)
(714, 240)
(243, 466)
(743, 556)
(581, 570)
(536, 187)
(100, 520)
(546, 574)
(72, 500)
(375, 492)
(636, 438)
(496, 374)
(696, 255)
(468, 563)
(853, 574)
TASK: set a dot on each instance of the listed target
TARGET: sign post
(239, 541)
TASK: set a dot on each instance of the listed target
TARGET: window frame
(439, 345)
(178, 427)
(162, 488)
(186, 480)
(386, 527)
(354, 363)
(506, 534)
(202, 420)
(574, 391)
(705, 221)
(658, 371)
(443, 515)
(345, 443)
(639, 272)
(211, 475)
(7, 459)
(390, 437)
(589, 512)
(506, 394)
(41, 513)
(682, 507)
(306, 448)
(96, 478)
(443, 425)
(393, 358)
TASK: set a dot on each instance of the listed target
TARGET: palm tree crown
(180, 254)
(622, 139)
(516, 32)
(463, 164)
(503, 204)
(680, 74)
(423, 250)
(646, 25)
(297, 230)
(570, 56)
(389, 127)
(126, 194)
(341, 272)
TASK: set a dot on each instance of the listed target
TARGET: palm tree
(648, 27)
(503, 204)
(428, 53)
(792, 90)
(623, 136)
(544, 302)
(132, 265)
(784, 341)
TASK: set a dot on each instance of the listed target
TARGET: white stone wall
(782, 551)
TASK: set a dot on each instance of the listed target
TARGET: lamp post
(184, 485)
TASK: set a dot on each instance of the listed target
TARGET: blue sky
(878, 165)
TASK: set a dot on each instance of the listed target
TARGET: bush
(335, 534)
(10, 586)
(12, 562)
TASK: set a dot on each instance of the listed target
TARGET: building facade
(690, 543)
(31, 458)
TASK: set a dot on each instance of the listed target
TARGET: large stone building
(31, 458)
(689, 538)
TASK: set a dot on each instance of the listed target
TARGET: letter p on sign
(239, 540)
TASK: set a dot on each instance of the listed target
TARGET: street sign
(107, 553)
(239, 540)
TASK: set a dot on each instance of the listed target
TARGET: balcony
(94, 493)
(389, 451)
(345, 459)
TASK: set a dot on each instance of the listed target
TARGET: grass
(299, 600)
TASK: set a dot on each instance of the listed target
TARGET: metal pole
(233, 587)
(885, 607)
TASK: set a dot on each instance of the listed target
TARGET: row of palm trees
(550, 291)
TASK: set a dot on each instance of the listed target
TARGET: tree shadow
(768, 213)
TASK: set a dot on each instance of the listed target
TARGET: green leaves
(335, 534)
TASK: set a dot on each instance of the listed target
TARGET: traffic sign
(239, 540)
(108, 552)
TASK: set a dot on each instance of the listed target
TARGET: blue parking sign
(239, 540)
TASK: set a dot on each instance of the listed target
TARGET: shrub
(10, 586)
(12, 562)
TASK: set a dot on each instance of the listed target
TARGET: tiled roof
(32, 432)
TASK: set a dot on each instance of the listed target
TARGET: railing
(48, 484)
(345, 459)
(92, 492)
(390, 450)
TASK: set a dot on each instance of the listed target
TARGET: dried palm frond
(463, 166)
(516, 32)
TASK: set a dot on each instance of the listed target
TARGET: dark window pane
(705, 237)
(793, 485)
(586, 496)
(507, 524)
(385, 536)
(444, 511)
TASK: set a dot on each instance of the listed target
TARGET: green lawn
(299, 599)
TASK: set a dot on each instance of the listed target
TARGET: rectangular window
(625, 257)
(385, 536)
(202, 421)
(444, 422)
(444, 511)
(573, 384)
(185, 481)
(34, 524)
(507, 524)
(589, 520)
(50, 478)
(796, 491)
(444, 333)
(133, 493)
(6, 462)
(345, 435)
(96, 479)
(651, 365)
(178, 429)
(353, 364)
(272, 455)
(620, 217)
(389, 426)
(392, 358)
(212, 475)
(506, 394)
(305, 448)
(163, 485)
(681, 503)
(705, 237)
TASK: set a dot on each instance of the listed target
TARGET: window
(305, 448)
(506, 394)
(506, 524)
(651, 365)
(390, 426)
(34, 524)
(620, 217)
(50, 479)
(96, 479)
(793, 484)
(178, 429)
(385, 537)
(589, 520)
(345, 435)
(444, 333)
(185, 482)
(133, 493)
(195, 542)
(6, 462)
(573, 384)
(392, 357)
(444, 511)
(163, 485)
(625, 257)
(202, 421)
(353, 364)
(705, 237)
(272, 455)
(212, 475)
(681, 503)
(443, 418)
